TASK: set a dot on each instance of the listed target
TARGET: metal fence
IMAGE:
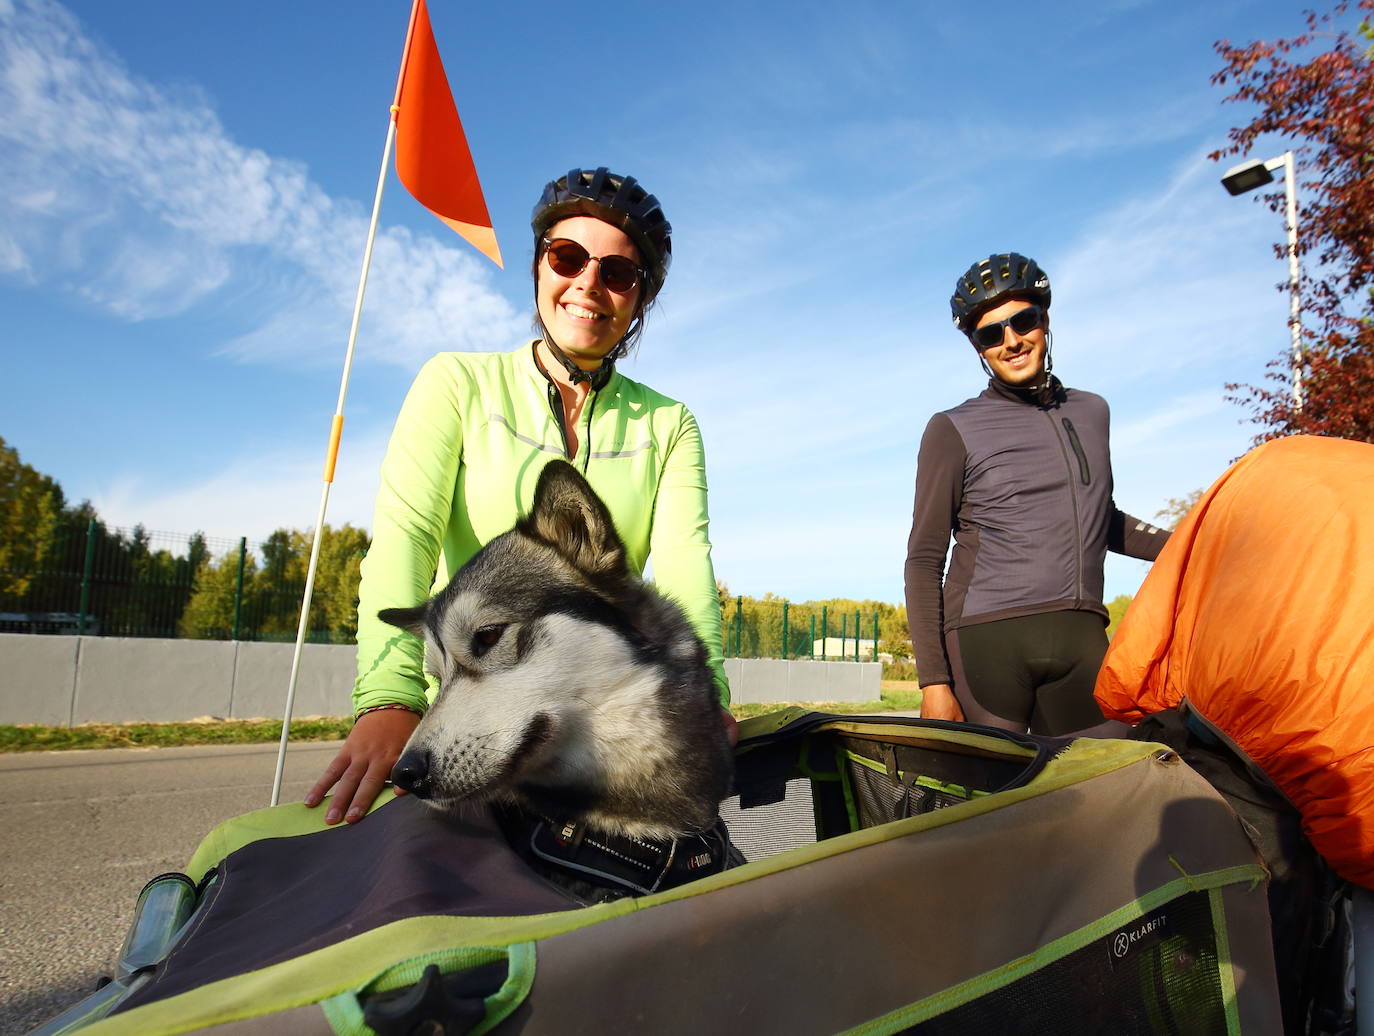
(779, 629)
(102, 581)
(94, 580)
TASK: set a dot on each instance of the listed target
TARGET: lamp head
(1247, 176)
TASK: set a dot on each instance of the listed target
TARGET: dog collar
(635, 865)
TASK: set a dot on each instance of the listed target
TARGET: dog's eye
(486, 637)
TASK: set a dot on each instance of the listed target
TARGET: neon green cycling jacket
(471, 438)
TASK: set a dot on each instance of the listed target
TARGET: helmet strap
(1046, 387)
(595, 378)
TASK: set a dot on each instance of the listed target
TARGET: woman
(475, 430)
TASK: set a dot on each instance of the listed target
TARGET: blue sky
(184, 189)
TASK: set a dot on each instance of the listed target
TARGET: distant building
(842, 649)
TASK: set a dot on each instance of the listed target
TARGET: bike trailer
(903, 876)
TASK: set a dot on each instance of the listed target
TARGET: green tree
(336, 582)
(136, 588)
(1316, 90)
(58, 587)
(1116, 611)
(274, 593)
(209, 614)
(30, 503)
(761, 635)
(1177, 509)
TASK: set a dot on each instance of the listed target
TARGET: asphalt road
(83, 832)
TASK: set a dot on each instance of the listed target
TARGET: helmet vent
(618, 200)
(1002, 275)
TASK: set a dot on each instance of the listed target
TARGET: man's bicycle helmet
(618, 200)
(990, 280)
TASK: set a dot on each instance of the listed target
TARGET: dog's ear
(412, 620)
(568, 515)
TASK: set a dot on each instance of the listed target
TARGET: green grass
(168, 735)
(896, 694)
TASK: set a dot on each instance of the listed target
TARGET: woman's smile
(583, 317)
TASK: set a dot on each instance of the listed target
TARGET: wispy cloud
(1172, 279)
(135, 199)
(1179, 413)
(254, 496)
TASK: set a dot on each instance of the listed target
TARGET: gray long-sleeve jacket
(1024, 482)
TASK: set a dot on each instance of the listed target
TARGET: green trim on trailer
(805, 769)
(920, 780)
(1012, 971)
(851, 806)
(873, 727)
(771, 722)
(345, 1014)
(284, 821)
(1228, 977)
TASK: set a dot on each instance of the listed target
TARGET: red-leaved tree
(1316, 90)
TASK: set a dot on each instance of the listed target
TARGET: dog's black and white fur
(568, 688)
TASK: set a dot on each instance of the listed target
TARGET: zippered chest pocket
(1084, 472)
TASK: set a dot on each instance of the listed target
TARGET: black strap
(636, 865)
(597, 378)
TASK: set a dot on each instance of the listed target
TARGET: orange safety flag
(432, 156)
(1260, 612)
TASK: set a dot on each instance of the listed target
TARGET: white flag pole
(336, 426)
(335, 431)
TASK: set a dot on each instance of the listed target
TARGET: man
(1013, 634)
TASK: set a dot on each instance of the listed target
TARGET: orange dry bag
(1260, 612)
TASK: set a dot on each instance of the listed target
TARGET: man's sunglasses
(1023, 322)
(568, 259)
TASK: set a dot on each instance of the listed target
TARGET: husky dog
(568, 688)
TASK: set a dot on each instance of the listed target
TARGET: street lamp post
(1246, 177)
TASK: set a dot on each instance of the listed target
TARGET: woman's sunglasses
(1023, 322)
(568, 259)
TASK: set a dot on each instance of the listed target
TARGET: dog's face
(563, 681)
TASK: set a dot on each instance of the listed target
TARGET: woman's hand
(731, 726)
(938, 702)
(360, 770)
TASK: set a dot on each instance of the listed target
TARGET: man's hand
(362, 767)
(938, 702)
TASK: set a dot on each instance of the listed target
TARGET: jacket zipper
(1073, 497)
(589, 406)
(559, 415)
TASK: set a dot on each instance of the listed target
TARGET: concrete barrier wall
(62, 681)
(772, 679)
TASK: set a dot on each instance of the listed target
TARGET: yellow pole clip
(335, 433)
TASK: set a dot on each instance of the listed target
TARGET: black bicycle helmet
(620, 201)
(1001, 276)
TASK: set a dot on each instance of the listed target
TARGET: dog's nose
(411, 772)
